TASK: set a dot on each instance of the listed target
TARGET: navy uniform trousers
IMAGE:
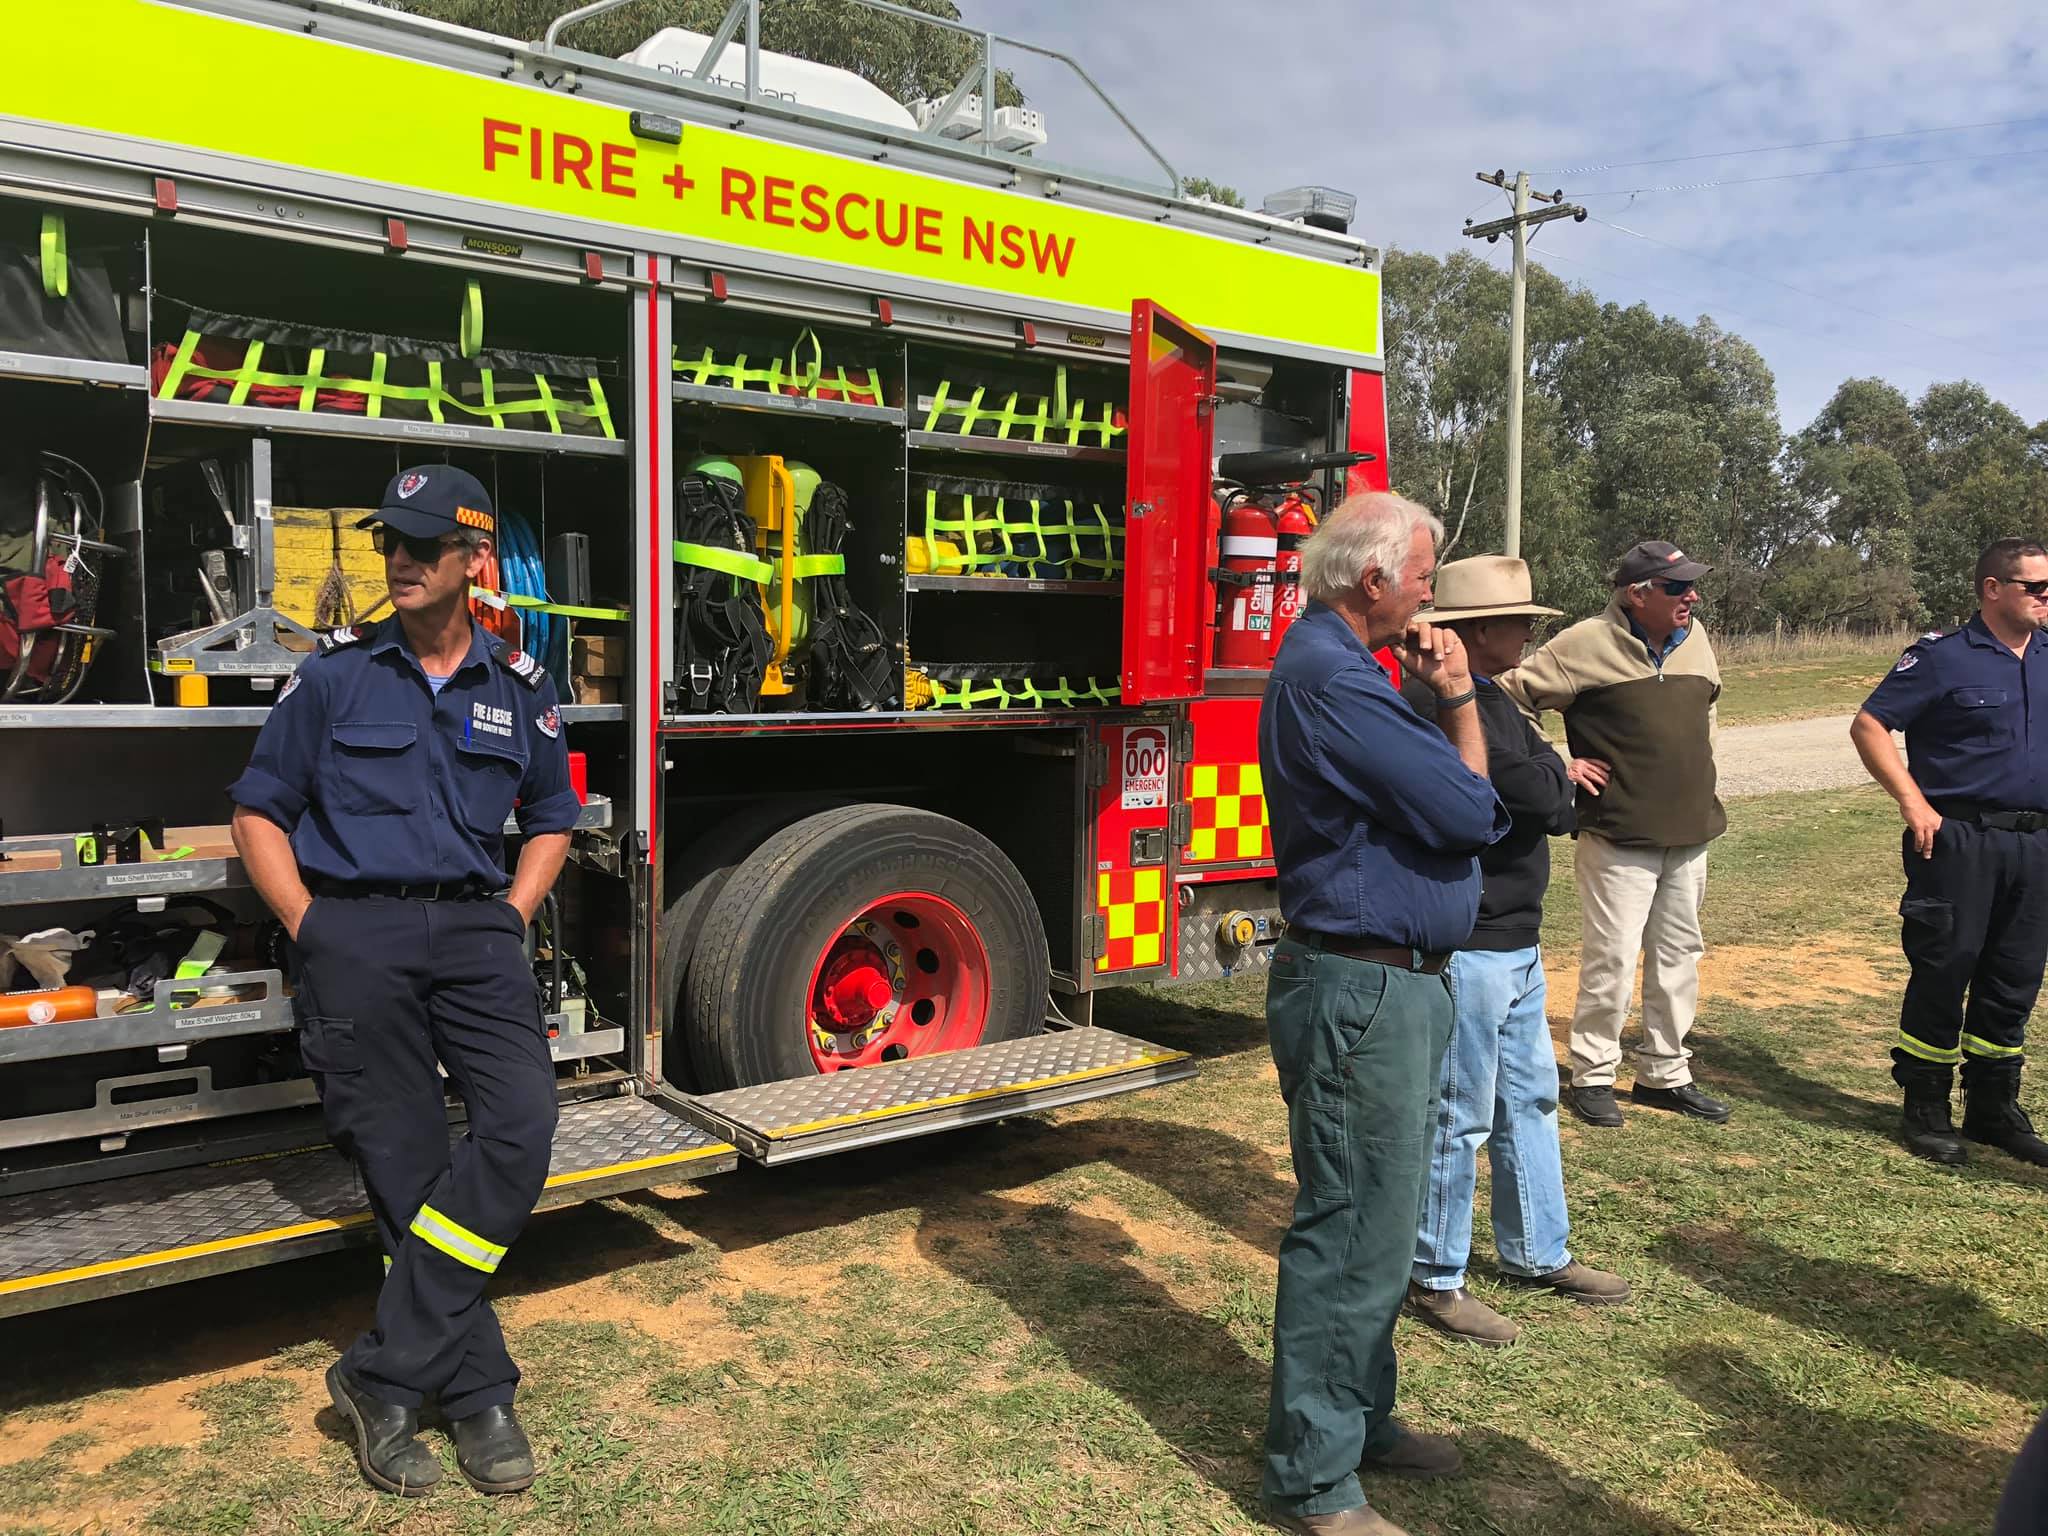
(1975, 929)
(385, 988)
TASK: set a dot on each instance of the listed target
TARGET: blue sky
(1912, 274)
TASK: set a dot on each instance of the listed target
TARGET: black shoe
(1992, 1116)
(1928, 1132)
(1686, 1099)
(1595, 1106)
(492, 1452)
(387, 1445)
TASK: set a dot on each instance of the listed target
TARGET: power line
(1838, 170)
(1772, 149)
(1805, 293)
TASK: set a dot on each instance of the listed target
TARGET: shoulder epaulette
(348, 634)
(1910, 658)
(524, 667)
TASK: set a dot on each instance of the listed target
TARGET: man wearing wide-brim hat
(1499, 1081)
(1637, 686)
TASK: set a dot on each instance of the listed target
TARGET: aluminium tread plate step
(805, 1117)
(58, 1246)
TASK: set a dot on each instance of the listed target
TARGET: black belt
(1989, 816)
(432, 890)
(1379, 951)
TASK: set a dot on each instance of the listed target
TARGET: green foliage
(1637, 425)
(904, 58)
(1215, 191)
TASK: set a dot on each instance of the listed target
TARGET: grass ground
(1796, 681)
(1060, 1324)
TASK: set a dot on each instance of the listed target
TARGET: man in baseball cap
(1637, 686)
(1499, 1079)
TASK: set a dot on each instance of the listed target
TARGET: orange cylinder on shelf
(56, 1006)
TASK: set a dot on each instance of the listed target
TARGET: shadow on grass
(1511, 1485)
(234, 1320)
(1069, 1278)
(1939, 1328)
(1865, 1471)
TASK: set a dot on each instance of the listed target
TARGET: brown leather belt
(1379, 951)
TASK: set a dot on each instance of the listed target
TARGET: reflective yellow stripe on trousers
(1926, 1052)
(457, 1241)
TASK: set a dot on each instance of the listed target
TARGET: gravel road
(1788, 754)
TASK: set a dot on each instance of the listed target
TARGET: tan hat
(1483, 587)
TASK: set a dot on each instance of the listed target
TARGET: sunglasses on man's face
(1678, 588)
(422, 551)
(2031, 588)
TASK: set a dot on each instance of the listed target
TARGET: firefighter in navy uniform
(371, 820)
(1974, 706)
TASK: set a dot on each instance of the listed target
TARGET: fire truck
(906, 516)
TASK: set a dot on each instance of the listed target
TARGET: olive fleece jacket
(1652, 722)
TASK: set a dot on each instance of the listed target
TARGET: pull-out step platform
(805, 1117)
(64, 1245)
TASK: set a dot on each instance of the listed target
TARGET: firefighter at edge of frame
(1974, 919)
(371, 820)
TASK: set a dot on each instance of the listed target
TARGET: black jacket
(1528, 775)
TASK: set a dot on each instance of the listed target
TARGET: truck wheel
(692, 884)
(863, 934)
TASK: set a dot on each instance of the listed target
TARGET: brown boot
(1460, 1314)
(1415, 1454)
(1361, 1521)
(1577, 1282)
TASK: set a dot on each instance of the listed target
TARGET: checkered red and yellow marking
(1133, 905)
(1229, 805)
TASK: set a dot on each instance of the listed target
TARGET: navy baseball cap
(435, 500)
(1655, 560)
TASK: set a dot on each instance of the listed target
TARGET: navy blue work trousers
(385, 989)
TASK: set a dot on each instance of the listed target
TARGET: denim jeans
(1358, 1046)
(1499, 1090)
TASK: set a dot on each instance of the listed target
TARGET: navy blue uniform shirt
(1376, 819)
(1975, 717)
(376, 777)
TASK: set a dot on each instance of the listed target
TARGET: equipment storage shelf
(426, 433)
(45, 869)
(1010, 586)
(128, 717)
(793, 406)
(584, 1046)
(1013, 448)
(180, 1014)
(72, 370)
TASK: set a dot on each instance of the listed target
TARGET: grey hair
(1370, 532)
(472, 539)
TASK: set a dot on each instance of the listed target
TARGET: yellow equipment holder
(771, 503)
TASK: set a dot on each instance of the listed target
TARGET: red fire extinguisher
(1244, 586)
(1293, 524)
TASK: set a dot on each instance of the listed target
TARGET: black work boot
(1927, 1129)
(1992, 1113)
(387, 1445)
(492, 1450)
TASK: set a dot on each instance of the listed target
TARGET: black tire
(692, 883)
(746, 995)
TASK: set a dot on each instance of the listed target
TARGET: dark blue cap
(435, 500)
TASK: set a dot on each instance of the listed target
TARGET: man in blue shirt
(1975, 913)
(371, 820)
(1377, 818)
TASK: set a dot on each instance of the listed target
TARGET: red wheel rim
(905, 976)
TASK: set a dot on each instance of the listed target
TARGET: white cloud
(1402, 102)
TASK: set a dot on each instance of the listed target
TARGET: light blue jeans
(1499, 1090)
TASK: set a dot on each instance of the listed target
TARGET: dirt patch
(1818, 974)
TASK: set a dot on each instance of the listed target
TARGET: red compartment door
(1170, 518)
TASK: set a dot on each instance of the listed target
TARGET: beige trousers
(1631, 901)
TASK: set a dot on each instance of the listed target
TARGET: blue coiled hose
(542, 635)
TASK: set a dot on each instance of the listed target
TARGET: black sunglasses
(2031, 588)
(1677, 588)
(423, 551)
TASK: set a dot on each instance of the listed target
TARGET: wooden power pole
(1518, 225)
